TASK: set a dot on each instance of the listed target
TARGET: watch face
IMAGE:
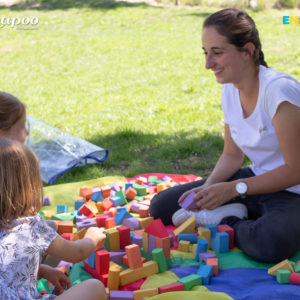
(241, 187)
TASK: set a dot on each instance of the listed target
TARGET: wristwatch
(241, 188)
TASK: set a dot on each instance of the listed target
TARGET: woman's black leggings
(272, 231)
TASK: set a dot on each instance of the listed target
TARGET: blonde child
(25, 237)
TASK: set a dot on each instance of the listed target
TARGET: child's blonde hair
(21, 189)
(11, 110)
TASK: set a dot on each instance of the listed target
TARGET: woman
(261, 110)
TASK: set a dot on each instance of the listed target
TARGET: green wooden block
(169, 262)
(106, 244)
(63, 217)
(190, 281)
(141, 190)
(146, 255)
(138, 198)
(159, 257)
(122, 196)
(297, 268)
(152, 179)
(283, 276)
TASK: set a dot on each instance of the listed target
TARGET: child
(25, 237)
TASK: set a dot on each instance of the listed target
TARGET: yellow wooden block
(187, 227)
(113, 239)
(79, 235)
(115, 266)
(145, 221)
(113, 278)
(140, 294)
(285, 264)
(92, 206)
(145, 241)
(48, 214)
(204, 233)
(184, 246)
(194, 249)
(131, 275)
(160, 187)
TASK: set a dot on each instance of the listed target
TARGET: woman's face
(18, 131)
(221, 57)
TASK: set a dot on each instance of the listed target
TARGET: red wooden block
(213, 261)
(124, 233)
(110, 222)
(151, 190)
(230, 231)
(172, 287)
(68, 236)
(86, 211)
(295, 278)
(100, 220)
(130, 193)
(165, 244)
(93, 272)
(157, 228)
(102, 262)
(106, 204)
(108, 213)
(64, 226)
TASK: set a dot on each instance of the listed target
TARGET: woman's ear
(249, 49)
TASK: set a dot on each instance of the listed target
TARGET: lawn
(129, 77)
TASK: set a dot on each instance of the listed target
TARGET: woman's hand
(56, 277)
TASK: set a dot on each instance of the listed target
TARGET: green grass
(129, 78)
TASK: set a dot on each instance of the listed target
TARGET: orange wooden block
(134, 256)
(214, 263)
(144, 212)
(105, 190)
(64, 226)
(110, 222)
(106, 204)
(130, 193)
(85, 191)
(139, 181)
(163, 243)
(113, 210)
(125, 260)
(160, 187)
(99, 207)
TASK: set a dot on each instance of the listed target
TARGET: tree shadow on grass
(68, 4)
(132, 152)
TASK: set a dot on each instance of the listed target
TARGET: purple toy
(188, 202)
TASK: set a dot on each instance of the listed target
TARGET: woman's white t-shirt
(255, 135)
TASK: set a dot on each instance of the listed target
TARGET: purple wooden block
(167, 178)
(121, 295)
(86, 224)
(65, 263)
(138, 240)
(132, 223)
(80, 219)
(115, 187)
(171, 240)
(117, 257)
(151, 245)
(188, 202)
(46, 200)
(135, 207)
(204, 256)
(96, 190)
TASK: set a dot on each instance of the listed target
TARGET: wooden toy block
(46, 200)
(113, 278)
(220, 243)
(125, 261)
(121, 295)
(78, 204)
(110, 222)
(141, 294)
(157, 228)
(172, 287)
(146, 241)
(297, 268)
(139, 181)
(295, 278)
(188, 202)
(122, 197)
(121, 215)
(86, 192)
(184, 246)
(165, 244)
(92, 206)
(283, 276)
(91, 260)
(116, 200)
(141, 190)
(160, 187)
(113, 264)
(60, 208)
(64, 226)
(230, 231)
(79, 235)
(130, 275)
(68, 236)
(214, 263)
(86, 211)
(194, 249)
(97, 196)
(105, 190)
(129, 205)
(65, 269)
(187, 227)
(204, 233)
(204, 256)
(151, 190)
(112, 235)
(135, 207)
(124, 235)
(117, 257)
(132, 223)
(85, 224)
(151, 243)
(108, 213)
(145, 221)
(130, 193)
(159, 257)
(190, 281)
(205, 272)
(100, 220)
(94, 273)
(106, 204)
(191, 237)
(102, 262)
(213, 230)
(48, 214)
(63, 217)
(144, 212)
(138, 240)
(134, 256)
(285, 264)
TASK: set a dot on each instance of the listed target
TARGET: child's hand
(96, 234)
(56, 277)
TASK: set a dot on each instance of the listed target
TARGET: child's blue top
(21, 250)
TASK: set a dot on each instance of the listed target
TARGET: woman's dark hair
(239, 28)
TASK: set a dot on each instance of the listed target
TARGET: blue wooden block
(97, 197)
(192, 237)
(202, 245)
(213, 229)
(205, 272)
(60, 209)
(91, 260)
(121, 215)
(116, 200)
(128, 185)
(78, 204)
(121, 295)
(122, 196)
(220, 243)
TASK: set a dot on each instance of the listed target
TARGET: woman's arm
(76, 251)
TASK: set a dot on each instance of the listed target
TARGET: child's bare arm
(78, 250)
